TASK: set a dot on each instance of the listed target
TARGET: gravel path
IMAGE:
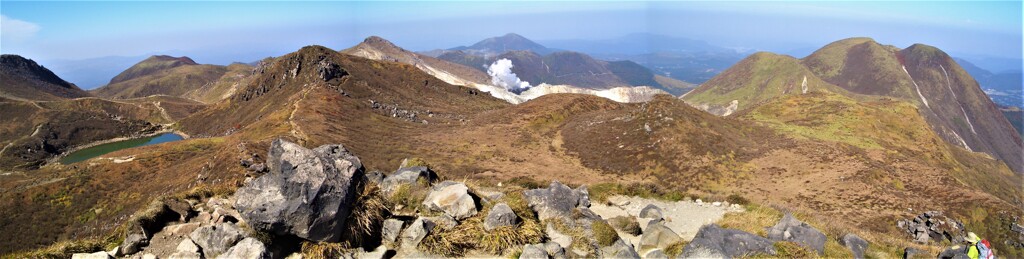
(683, 217)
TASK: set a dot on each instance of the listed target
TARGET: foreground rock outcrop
(307, 193)
(320, 200)
(933, 226)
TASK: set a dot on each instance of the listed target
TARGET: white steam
(502, 76)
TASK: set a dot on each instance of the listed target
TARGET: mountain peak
(379, 43)
(153, 64)
(24, 78)
(184, 60)
(507, 42)
(28, 67)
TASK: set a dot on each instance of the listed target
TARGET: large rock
(307, 193)
(500, 215)
(554, 250)
(793, 230)
(557, 237)
(249, 248)
(651, 212)
(186, 250)
(856, 244)
(619, 249)
(535, 251)
(556, 201)
(216, 239)
(452, 198)
(414, 234)
(656, 254)
(658, 236)
(133, 243)
(713, 241)
(390, 231)
(955, 252)
(405, 176)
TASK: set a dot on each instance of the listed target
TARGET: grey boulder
(556, 201)
(453, 199)
(133, 243)
(658, 236)
(500, 215)
(713, 241)
(407, 175)
(414, 234)
(856, 244)
(651, 212)
(793, 230)
(534, 251)
(656, 254)
(307, 193)
(186, 250)
(619, 249)
(247, 248)
(390, 230)
(216, 239)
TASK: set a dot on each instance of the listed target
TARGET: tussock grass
(470, 233)
(626, 224)
(62, 249)
(410, 197)
(675, 249)
(320, 250)
(367, 215)
(415, 161)
(604, 234)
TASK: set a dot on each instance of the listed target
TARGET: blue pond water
(91, 152)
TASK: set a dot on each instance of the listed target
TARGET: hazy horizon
(216, 32)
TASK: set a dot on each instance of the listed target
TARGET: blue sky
(242, 30)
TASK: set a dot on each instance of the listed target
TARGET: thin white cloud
(14, 29)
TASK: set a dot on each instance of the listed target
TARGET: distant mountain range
(1005, 88)
(537, 64)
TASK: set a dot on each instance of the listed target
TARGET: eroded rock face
(556, 201)
(307, 193)
(453, 199)
(713, 241)
(796, 231)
